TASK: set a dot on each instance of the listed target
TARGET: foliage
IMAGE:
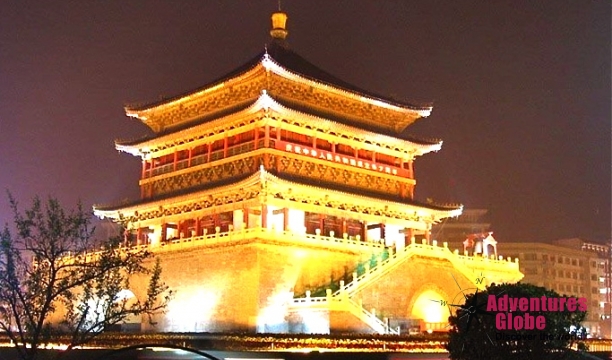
(481, 339)
(53, 285)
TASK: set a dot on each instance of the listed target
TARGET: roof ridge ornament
(279, 25)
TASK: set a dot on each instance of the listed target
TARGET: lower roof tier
(264, 188)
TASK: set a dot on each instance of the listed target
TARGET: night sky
(521, 93)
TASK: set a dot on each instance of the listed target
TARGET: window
(574, 276)
(593, 264)
(544, 257)
(580, 263)
(530, 257)
(574, 262)
(593, 277)
(560, 260)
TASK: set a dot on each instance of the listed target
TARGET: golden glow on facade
(295, 213)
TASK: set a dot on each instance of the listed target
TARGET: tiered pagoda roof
(290, 79)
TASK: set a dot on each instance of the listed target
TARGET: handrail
(460, 262)
(232, 236)
(349, 305)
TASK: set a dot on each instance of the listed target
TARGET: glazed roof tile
(293, 62)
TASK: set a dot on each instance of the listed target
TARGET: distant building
(572, 267)
(455, 230)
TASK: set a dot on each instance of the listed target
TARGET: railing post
(307, 295)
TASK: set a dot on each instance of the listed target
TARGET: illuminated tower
(270, 182)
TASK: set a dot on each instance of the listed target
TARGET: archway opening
(431, 308)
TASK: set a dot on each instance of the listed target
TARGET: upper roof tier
(290, 78)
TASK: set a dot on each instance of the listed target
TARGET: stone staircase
(342, 298)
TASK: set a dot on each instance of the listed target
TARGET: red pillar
(364, 229)
(322, 223)
(164, 232)
(285, 219)
(256, 137)
(225, 147)
(174, 161)
(144, 169)
(267, 145)
(189, 157)
(139, 236)
(198, 227)
(264, 216)
(343, 227)
(245, 217)
(209, 151)
(267, 136)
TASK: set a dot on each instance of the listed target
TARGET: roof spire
(279, 24)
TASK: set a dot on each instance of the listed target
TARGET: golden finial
(279, 24)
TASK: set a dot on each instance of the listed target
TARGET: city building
(455, 230)
(572, 267)
(281, 199)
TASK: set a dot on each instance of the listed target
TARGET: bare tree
(55, 288)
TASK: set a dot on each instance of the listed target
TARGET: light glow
(429, 310)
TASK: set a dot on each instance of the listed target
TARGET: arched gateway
(281, 199)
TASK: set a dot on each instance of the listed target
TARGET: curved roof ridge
(293, 62)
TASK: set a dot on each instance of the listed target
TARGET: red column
(267, 145)
(256, 137)
(267, 136)
(245, 217)
(175, 159)
(364, 228)
(314, 142)
(164, 232)
(225, 147)
(189, 157)
(144, 169)
(322, 223)
(427, 234)
(198, 227)
(343, 227)
(408, 236)
(151, 167)
(402, 190)
(411, 169)
(264, 216)
(139, 236)
(285, 219)
(374, 156)
(209, 151)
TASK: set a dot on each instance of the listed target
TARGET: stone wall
(243, 287)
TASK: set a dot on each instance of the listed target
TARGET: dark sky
(521, 92)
